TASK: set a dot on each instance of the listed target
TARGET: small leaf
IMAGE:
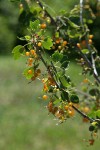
(74, 98)
(17, 51)
(47, 44)
(64, 95)
(92, 114)
(85, 51)
(34, 25)
(65, 64)
(64, 82)
(57, 101)
(98, 113)
(72, 24)
(57, 56)
(27, 37)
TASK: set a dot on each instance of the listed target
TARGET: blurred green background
(24, 120)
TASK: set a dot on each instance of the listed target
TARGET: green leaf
(92, 114)
(64, 95)
(73, 25)
(64, 82)
(65, 64)
(57, 56)
(34, 25)
(17, 51)
(47, 44)
(85, 51)
(98, 113)
(74, 98)
(57, 101)
(27, 37)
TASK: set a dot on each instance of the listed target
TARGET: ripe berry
(39, 44)
(78, 45)
(90, 41)
(86, 109)
(64, 43)
(57, 41)
(21, 6)
(59, 47)
(30, 71)
(71, 113)
(32, 52)
(43, 26)
(27, 53)
(30, 60)
(66, 107)
(45, 97)
(70, 104)
(86, 80)
(90, 36)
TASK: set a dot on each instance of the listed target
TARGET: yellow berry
(90, 41)
(71, 113)
(78, 45)
(45, 97)
(70, 104)
(30, 60)
(64, 43)
(32, 52)
(57, 41)
(30, 71)
(39, 44)
(27, 53)
(90, 36)
(86, 80)
(86, 109)
(66, 107)
(43, 26)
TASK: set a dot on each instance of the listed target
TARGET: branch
(91, 65)
(82, 114)
(46, 12)
(81, 12)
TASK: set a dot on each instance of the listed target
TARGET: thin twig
(91, 65)
(81, 13)
(46, 12)
(82, 114)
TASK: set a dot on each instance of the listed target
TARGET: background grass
(24, 120)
